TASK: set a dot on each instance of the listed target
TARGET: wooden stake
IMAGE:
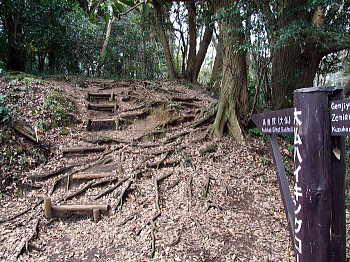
(48, 208)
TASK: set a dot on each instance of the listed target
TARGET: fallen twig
(110, 190)
(126, 220)
(153, 241)
(174, 137)
(77, 193)
(121, 196)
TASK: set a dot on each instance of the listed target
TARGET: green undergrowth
(60, 108)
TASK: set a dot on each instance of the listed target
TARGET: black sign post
(319, 120)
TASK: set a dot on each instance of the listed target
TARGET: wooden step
(102, 124)
(101, 96)
(83, 150)
(103, 107)
(90, 176)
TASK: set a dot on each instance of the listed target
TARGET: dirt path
(185, 195)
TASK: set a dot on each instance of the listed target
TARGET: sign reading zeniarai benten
(340, 117)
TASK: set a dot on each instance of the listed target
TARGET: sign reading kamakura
(282, 121)
(276, 122)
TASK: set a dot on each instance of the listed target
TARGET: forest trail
(174, 192)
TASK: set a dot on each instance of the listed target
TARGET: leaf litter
(183, 196)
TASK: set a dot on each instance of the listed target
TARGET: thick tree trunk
(216, 73)
(164, 40)
(16, 56)
(292, 69)
(234, 81)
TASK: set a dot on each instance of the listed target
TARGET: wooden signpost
(316, 213)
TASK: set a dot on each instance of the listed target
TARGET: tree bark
(107, 32)
(234, 80)
(216, 73)
(192, 36)
(16, 55)
(164, 39)
(208, 33)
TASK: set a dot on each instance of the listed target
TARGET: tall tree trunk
(16, 55)
(195, 60)
(234, 80)
(107, 33)
(216, 73)
(164, 40)
(192, 36)
(208, 33)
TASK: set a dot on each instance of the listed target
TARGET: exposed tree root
(153, 239)
(53, 174)
(22, 213)
(110, 190)
(122, 195)
(206, 186)
(138, 232)
(77, 193)
(126, 220)
(156, 181)
(24, 245)
(174, 137)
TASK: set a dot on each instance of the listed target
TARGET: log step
(101, 96)
(94, 210)
(102, 124)
(103, 107)
(83, 150)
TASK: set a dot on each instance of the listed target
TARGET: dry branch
(185, 99)
(88, 176)
(25, 242)
(206, 186)
(53, 174)
(121, 196)
(173, 184)
(103, 140)
(110, 190)
(126, 220)
(148, 222)
(156, 181)
(211, 205)
(153, 239)
(204, 120)
(83, 150)
(77, 193)
(170, 163)
(174, 137)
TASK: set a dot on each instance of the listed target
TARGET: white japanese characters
(298, 194)
(278, 124)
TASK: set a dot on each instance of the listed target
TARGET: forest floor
(174, 192)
